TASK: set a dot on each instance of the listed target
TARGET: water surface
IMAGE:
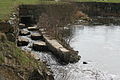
(98, 44)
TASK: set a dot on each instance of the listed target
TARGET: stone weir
(63, 54)
(32, 14)
(46, 43)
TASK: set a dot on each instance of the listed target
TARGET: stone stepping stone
(21, 26)
(33, 28)
(22, 41)
(24, 32)
(40, 46)
(36, 36)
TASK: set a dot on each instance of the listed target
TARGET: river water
(99, 46)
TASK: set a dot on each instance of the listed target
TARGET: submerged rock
(24, 32)
(22, 41)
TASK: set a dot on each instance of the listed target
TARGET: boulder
(63, 54)
(22, 41)
(21, 26)
(36, 36)
(40, 46)
(11, 37)
(41, 75)
(24, 32)
(36, 75)
(33, 28)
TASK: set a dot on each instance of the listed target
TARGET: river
(99, 46)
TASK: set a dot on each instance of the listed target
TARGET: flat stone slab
(57, 45)
(22, 41)
(24, 32)
(21, 26)
(40, 46)
(63, 54)
(36, 36)
(34, 28)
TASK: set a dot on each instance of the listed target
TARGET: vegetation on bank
(8, 6)
(111, 1)
(16, 64)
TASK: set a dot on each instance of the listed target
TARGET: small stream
(99, 46)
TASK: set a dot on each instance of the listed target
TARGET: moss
(110, 1)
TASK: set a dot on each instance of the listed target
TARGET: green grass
(18, 60)
(111, 1)
(18, 56)
(7, 6)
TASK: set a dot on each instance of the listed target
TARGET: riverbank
(107, 1)
(52, 19)
(16, 64)
(7, 7)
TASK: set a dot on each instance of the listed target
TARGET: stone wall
(56, 13)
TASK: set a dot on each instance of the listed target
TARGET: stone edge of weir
(63, 54)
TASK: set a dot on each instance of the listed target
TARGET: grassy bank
(7, 6)
(111, 1)
(16, 64)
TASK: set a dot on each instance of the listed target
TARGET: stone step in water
(34, 28)
(21, 26)
(40, 46)
(24, 32)
(65, 56)
(36, 36)
(22, 41)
